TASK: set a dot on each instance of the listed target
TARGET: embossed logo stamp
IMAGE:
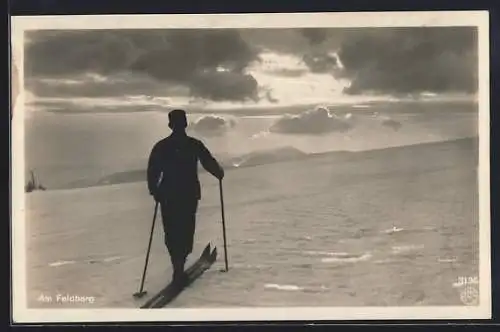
(469, 291)
(469, 295)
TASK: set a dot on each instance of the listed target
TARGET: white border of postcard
(480, 19)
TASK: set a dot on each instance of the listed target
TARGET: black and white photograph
(251, 166)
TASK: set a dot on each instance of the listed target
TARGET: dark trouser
(179, 221)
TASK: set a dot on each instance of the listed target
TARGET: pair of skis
(171, 291)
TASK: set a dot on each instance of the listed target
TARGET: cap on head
(177, 119)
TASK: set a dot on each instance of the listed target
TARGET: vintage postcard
(317, 166)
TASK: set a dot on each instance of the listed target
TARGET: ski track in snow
(348, 258)
(61, 263)
(87, 261)
(283, 287)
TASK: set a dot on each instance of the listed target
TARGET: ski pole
(223, 224)
(141, 292)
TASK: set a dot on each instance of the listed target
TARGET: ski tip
(213, 255)
(207, 249)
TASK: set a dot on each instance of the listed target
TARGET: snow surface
(391, 227)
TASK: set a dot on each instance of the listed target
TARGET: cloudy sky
(267, 66)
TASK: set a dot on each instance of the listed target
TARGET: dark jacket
(177, 156)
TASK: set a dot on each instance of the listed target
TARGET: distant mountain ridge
(247, 160)
(271, 156)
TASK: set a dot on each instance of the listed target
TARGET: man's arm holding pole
(154, 173)
(213, 167)
(209, 163)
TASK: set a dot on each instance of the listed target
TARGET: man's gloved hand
(156, 196)
(220, 176)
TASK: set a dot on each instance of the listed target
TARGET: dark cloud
(284, 72)
(316, 121)
(320, 62)
(212, 125)
(183, 53)
(411, 60)
(189, 57)
(125, 83)
(55, 53)
(319, 57)
(293, 40)
(224, 85)
(211, 63)
(396, 60)
(315, 36)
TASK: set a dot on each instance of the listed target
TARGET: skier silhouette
(173, 181)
